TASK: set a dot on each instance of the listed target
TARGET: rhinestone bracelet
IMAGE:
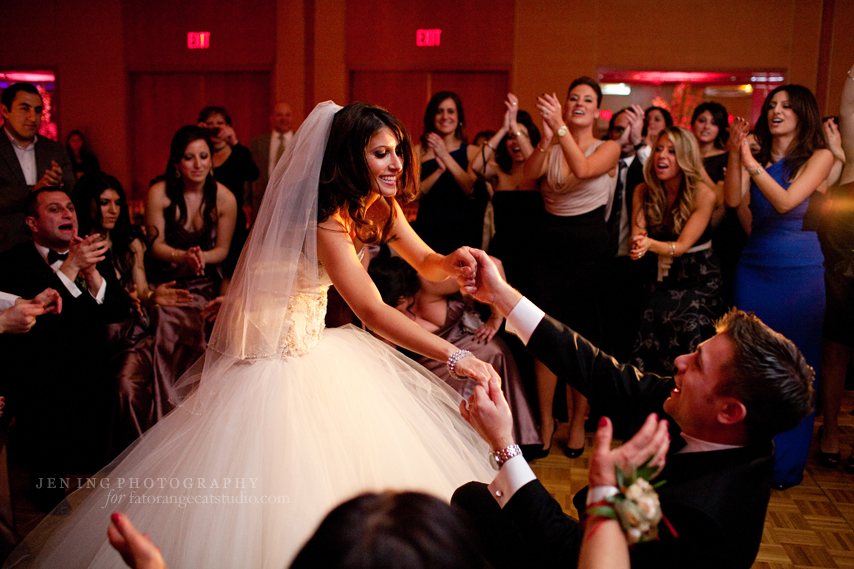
(452, 363)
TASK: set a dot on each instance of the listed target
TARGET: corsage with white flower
(636, 506)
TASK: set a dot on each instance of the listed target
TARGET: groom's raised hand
(491, 288)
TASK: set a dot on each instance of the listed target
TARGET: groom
(725, 404)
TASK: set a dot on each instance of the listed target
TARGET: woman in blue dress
(780, 275)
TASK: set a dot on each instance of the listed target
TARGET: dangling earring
(177, 174)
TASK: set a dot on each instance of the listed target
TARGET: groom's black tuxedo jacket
(716, 501)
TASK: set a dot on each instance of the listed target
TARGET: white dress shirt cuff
(643, 154)
(69, 284)
(7, 300)
(514, 474)
(102, 290)
(599, 493)
(524, 319)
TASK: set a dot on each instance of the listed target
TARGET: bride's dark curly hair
(344, 176)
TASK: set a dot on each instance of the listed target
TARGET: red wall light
(427, 38)
(198, 40)
(605, 114)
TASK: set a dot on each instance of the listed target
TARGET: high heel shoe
(573, 452)
(544, 452)
(828, 459)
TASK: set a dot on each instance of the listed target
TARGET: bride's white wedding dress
(244, 470)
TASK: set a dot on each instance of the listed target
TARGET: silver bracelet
(452, 363)
(499, 457)
(754, 171)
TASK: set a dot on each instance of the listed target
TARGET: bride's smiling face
(385, 163)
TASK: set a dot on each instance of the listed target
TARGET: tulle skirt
(246, 481)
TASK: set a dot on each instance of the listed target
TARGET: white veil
(279, 259)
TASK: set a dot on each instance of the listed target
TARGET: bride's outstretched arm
(337, 253)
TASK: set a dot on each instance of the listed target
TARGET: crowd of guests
(639, 239)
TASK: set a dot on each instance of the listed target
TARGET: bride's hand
(478, 370)
(461, 265)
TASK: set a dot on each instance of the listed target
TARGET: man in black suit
(54, 380)
(27, 161)
(725, 405)
(626, 278)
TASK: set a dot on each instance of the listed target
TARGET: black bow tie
(53, 256)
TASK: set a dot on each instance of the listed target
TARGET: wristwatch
(639, 145)
(561, 132)
(498, 457)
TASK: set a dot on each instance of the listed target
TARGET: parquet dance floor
(810, 525)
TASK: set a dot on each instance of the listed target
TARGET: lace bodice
(305, 319)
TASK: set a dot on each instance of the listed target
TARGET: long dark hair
(408, 530)
(668, 118)
(176, 212)
(433, 109)
(87, 202)
(720, 118)
(344, 176)
(502, 155)
(84, 148)
(808, 137)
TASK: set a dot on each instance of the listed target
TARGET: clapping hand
(52, 177)
(512, 104)
(551, 111)
(437, 144)
(738, 130)
(20, 317)
(50, 300)
(833, 139)
(650, 443)
(195, 260)
(635, 128)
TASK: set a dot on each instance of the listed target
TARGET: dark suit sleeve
(68, 177)
(552, 536)
(619, 391)
(700, 542)
(116, 305)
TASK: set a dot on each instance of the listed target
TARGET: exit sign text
(198, 40)
(425, 38)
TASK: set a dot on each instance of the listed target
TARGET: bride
(285, 419)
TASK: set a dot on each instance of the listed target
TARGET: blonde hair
(655, 200)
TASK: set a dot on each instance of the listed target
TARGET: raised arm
(425, 185)
(736, 183)
(583, 167)
(461, 176)
(811, 176)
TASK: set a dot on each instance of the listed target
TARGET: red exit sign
(198, 40)
(426, 38)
